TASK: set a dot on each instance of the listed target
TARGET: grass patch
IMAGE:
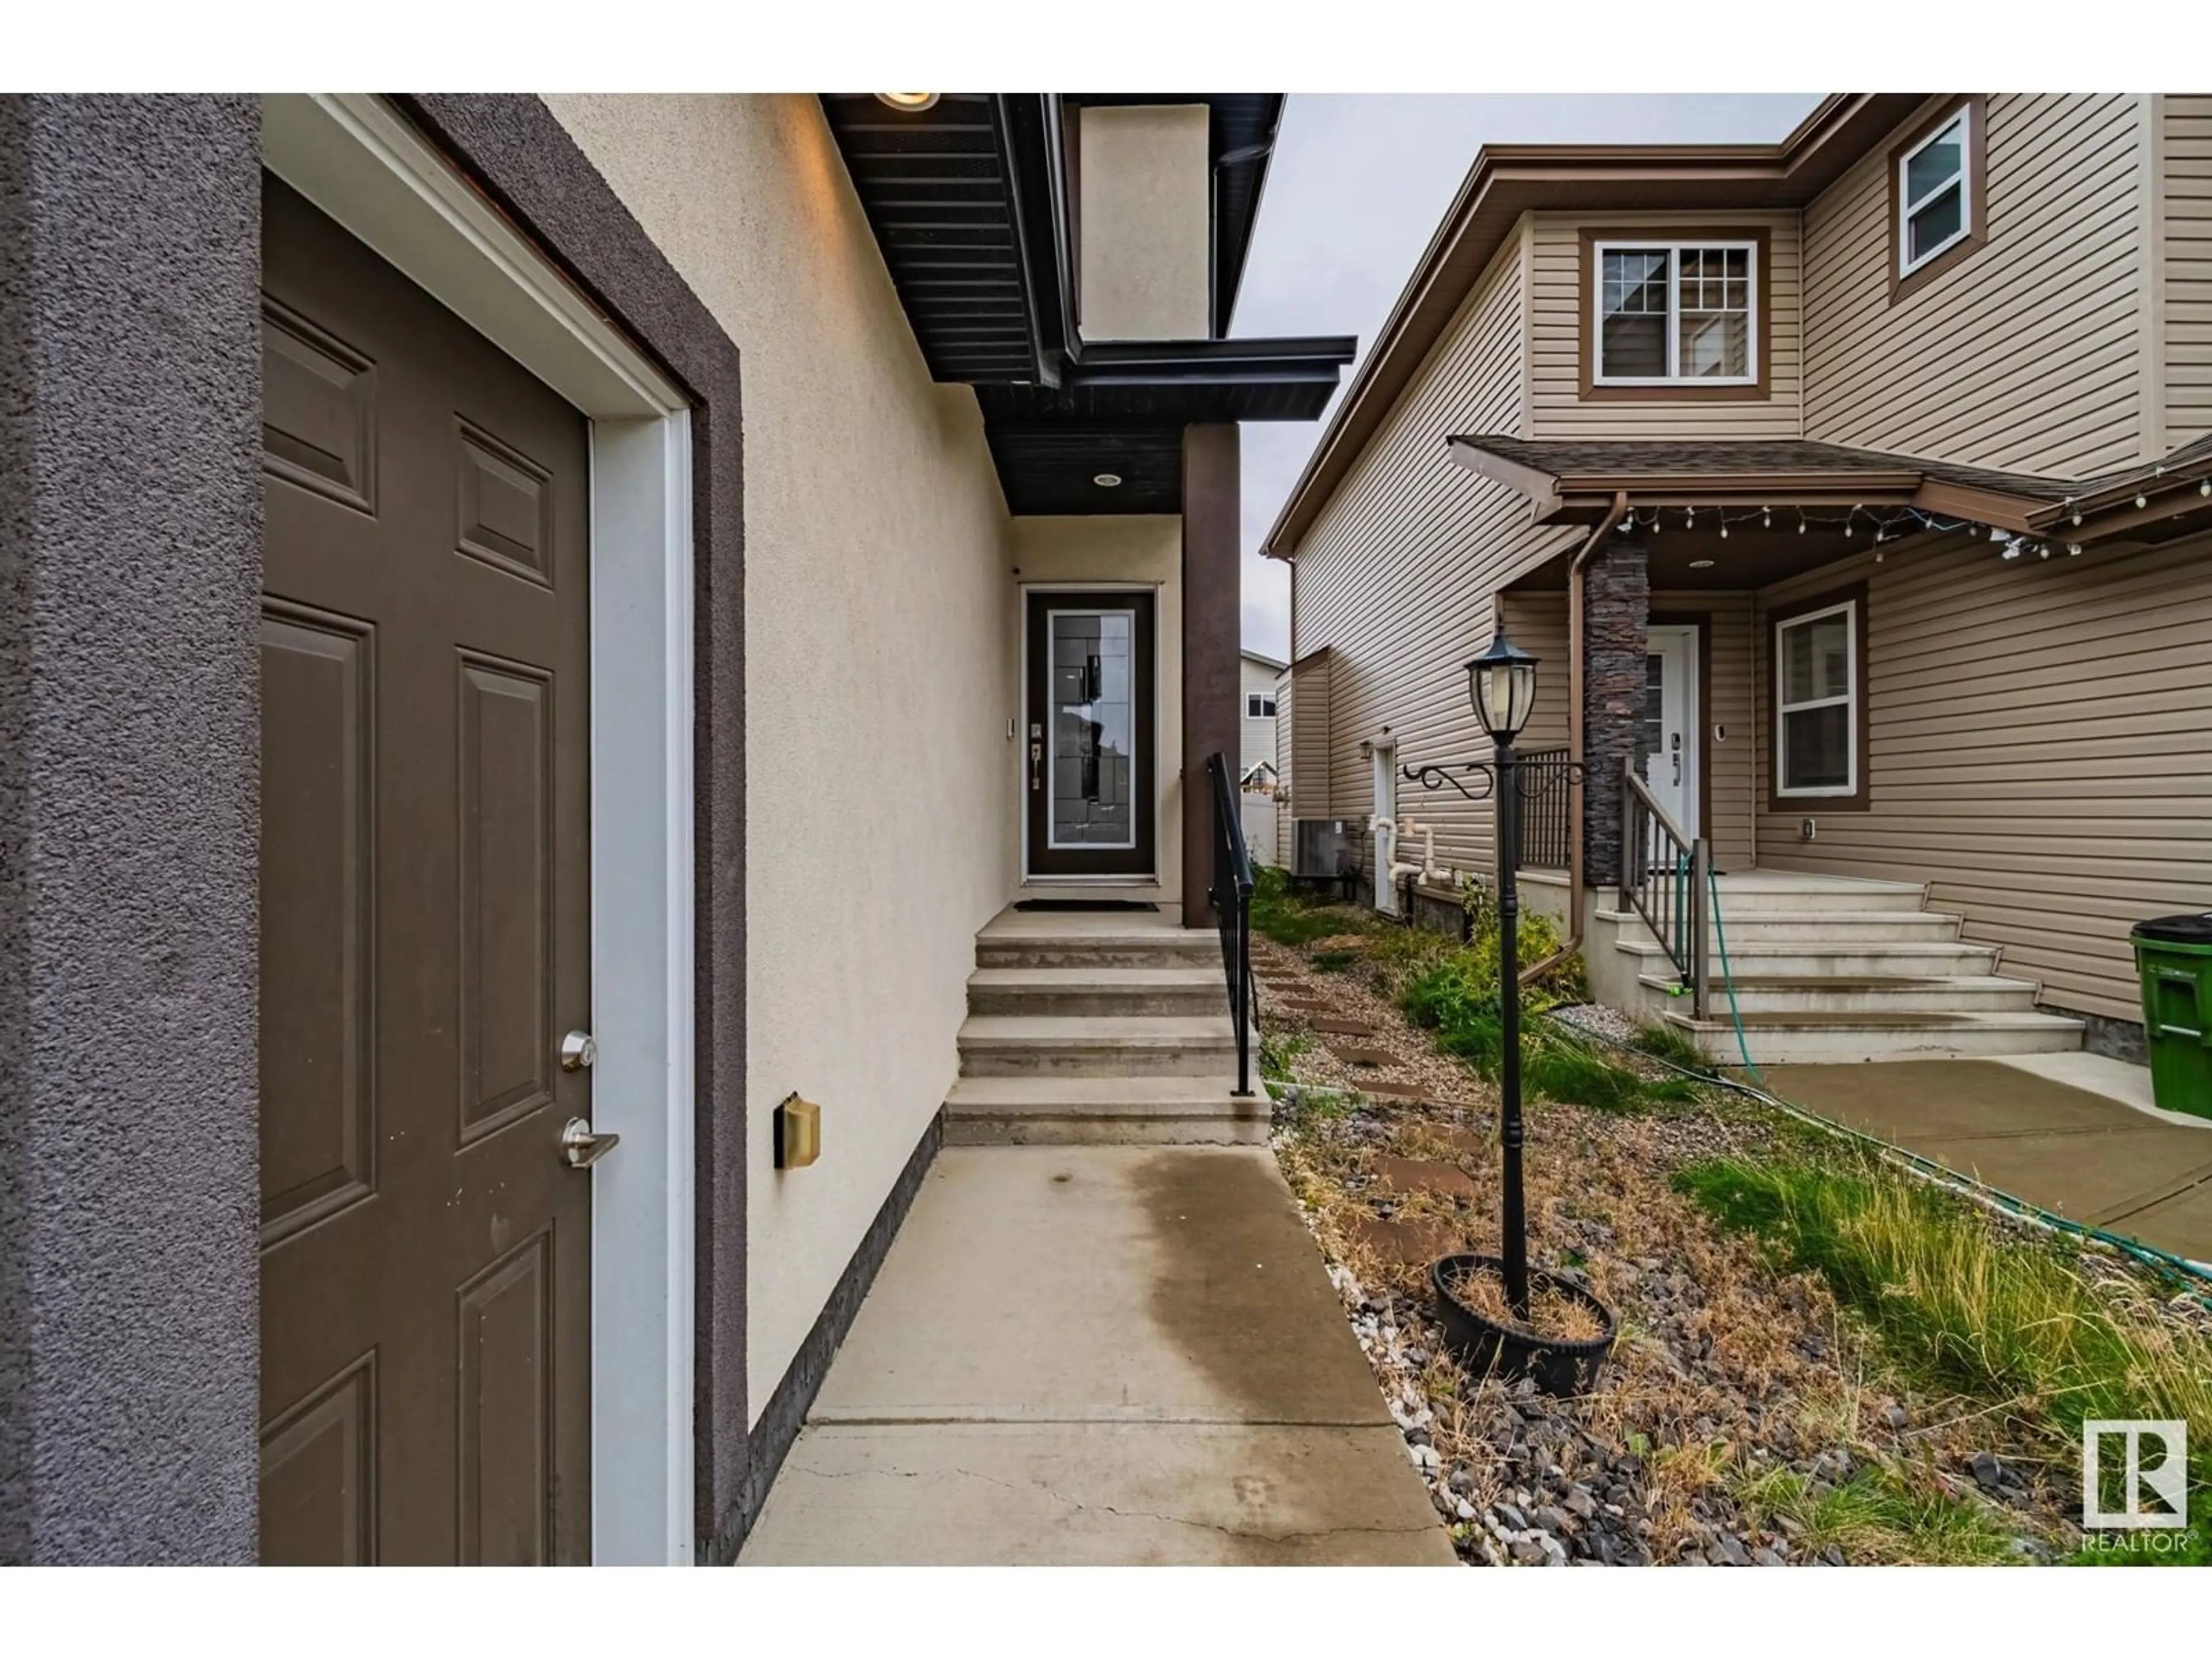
(2011, 1322)
(1285, 917)
(1671, 1043)
(1280, 1052)
(1334, 962)
(1880, 1515)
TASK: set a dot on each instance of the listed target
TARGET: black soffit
(969, 204)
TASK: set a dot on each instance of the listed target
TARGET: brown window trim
(1861, 799)
(1976, 105)
(1687, 392)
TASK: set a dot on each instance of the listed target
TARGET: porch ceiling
(1702, 561)
(972, 209)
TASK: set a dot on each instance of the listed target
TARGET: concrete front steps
(1830, 968)
(1107, 1027)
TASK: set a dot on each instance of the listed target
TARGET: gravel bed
(1726, 1375)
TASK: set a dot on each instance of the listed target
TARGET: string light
(1766, 518)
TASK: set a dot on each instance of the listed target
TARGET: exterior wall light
(911, 103)
(1501, 683)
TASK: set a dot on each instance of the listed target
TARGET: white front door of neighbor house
(1670, 722)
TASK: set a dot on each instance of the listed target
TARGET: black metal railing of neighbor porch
(1231, 897)
(1663, 878)
(1546, 806)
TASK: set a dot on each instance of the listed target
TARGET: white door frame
(1022, 592)
(1682, 659)
(355, 159)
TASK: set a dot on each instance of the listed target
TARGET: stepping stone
(1414, 1243)
(1419, 1174)
(1352, 1057)
(1307, 1005)
(1343, 1027)
(1466, 1143)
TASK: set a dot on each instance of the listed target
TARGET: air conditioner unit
(1325, 849)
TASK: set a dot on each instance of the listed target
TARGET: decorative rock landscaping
(1739, 1419)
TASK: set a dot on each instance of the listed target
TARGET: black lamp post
(1501, 683)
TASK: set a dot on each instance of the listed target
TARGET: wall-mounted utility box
(798, 1133)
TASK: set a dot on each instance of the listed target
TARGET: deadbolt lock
(578, 1051)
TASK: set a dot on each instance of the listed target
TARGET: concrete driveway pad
(1100, 1354)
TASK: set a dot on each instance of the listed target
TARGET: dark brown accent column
(129, 746)
(1616, 639)
(1212, 606)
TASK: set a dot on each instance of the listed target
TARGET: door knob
(581, 1147)
(578, 1051)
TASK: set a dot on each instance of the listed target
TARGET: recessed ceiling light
(1701, 564)
(1107, 480)
(912, 102)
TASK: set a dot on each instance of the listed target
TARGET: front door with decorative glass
(1087, 724)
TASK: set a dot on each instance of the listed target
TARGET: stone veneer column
(1616, 638)
(1212, 622)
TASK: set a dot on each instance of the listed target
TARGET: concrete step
(1838, 924)
(1071, 991)
(1004, 1111)
(1008, 1045)
(1766, 994)
(1917, 958)
(1098, 947)
(1780, 890)
(1779, 1039)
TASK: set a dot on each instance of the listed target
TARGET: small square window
(1676, 315)
(1258, 706)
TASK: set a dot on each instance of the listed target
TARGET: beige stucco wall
(879, 666)
(1137, 548)
(1147, 213)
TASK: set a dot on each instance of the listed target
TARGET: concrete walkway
(2074, 1133)
(1095, 1355)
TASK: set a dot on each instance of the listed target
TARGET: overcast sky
(1355, 190)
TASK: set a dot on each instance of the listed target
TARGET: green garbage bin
(2173, 955)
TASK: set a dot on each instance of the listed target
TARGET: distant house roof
(1265, 660)
(1572, 480)
(1509, 179)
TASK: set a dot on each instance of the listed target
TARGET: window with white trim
(1258, 706)
(1816, 704)
(1676, 313)
(1935, 204)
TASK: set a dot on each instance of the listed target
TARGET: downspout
(1582, 556)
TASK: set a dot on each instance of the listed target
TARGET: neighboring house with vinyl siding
(1910, 410)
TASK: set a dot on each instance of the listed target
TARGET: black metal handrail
(1231, 897)
(1548, 808)
(1662, 877)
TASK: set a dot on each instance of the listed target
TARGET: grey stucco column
(1616, 637)
(129, 573)
(1212, 608)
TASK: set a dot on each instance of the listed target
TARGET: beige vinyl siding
(2025, 353)
(1558, 322)
(1396, 576)
(2188, 267)
(1537, 621)
(2038, 733)
(1285, 806)
(1306, 753)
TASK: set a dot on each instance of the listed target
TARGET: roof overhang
(1508, 181)
(1568, 482)
(972, 208)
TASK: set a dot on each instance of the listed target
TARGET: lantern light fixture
(1501, 683)
(910, 103)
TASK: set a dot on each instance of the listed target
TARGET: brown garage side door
(425, 929)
